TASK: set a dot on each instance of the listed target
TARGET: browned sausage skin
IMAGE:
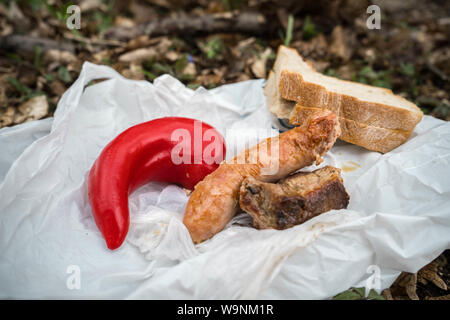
(215, 200)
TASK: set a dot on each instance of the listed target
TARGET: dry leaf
(242, 46)
(320, 66)
(342, 43)
(6, 116)
(172, 56)
(208, 79)
(190, 69)
(5, 28)
(259, 66)
(315, 48)
(405, 283)
(446, 297)
(57, 88)
(3, 97)
(387, 294)
(33, 109)
(163, 45)
(102, 56)
(41, 81)
(124, 22)
(62, 57)
(220, 71)
(90, 5)
(138, 56)
(243, 77)
(134, 72)
(430, 273)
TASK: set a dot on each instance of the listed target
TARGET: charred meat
(294, 199)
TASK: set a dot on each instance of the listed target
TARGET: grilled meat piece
(293, 200)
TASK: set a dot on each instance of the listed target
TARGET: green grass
(375, 78)
(64, 74)
(37, 57)
(193, 86)
(24, 91)
(309, 29)
(331, 72)
(152, 69)
(214, 47)
(289, 31)
(358, 294)
(409, 70)
(231, 5)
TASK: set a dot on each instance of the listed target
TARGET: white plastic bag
(398, 218)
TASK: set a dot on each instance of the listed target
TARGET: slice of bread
(361, 134)
(280, 107)
(367, 136)
(298, 81)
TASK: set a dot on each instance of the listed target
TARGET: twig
(100, 42)
(229, 22)
(21, 43)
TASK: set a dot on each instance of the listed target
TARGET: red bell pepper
(151, 151)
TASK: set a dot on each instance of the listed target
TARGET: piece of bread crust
(366, 136)
(378, 107)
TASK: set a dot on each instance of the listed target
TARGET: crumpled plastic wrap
(398, 218)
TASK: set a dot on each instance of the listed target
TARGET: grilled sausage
(215, 200)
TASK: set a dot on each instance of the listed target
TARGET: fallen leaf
(320, 66)
(57, 88)
(446, 297)
(406, 283)
(259, 66)
(243, 77)
(102, 56)
(139, 56)
(6, 116)
(190, 70)
(342, 43)
(134, 72)
(62, 57)
(33, 109)
(90, 5)
(208, 79)
(3, 96)
(315, 48)
(430, 273)
(124, 22)
(172, 56)
(387, 294)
